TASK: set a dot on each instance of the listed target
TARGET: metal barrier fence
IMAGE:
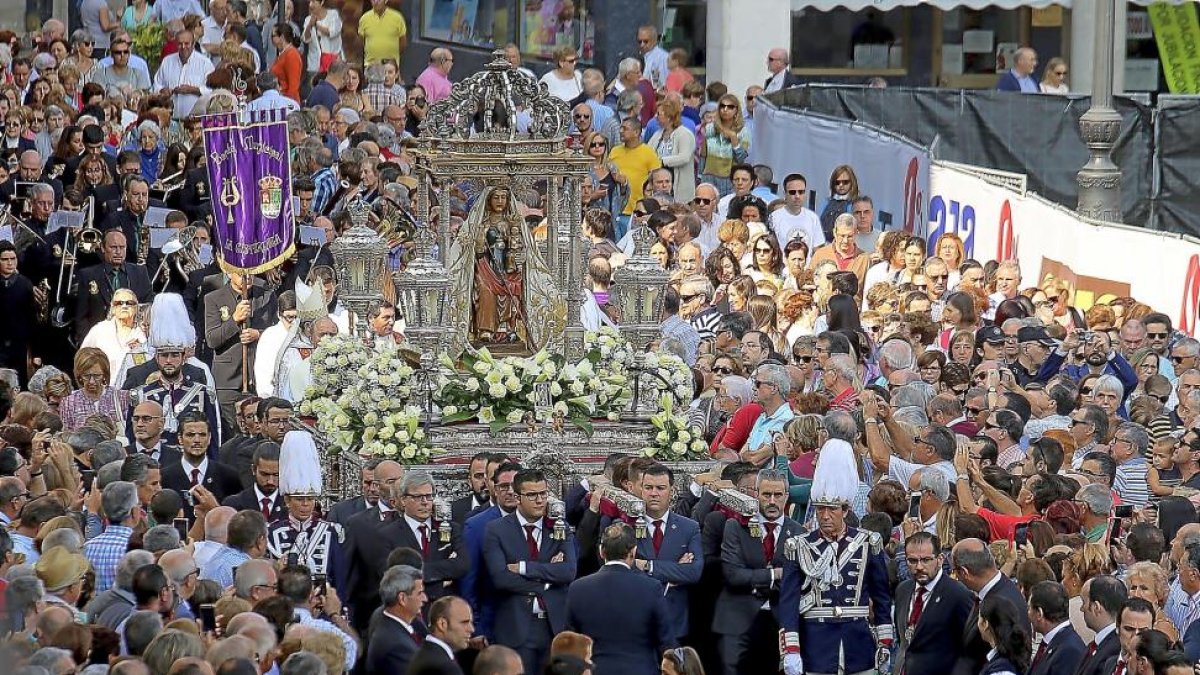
(1038, 136)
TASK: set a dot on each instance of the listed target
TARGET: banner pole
(245, 347)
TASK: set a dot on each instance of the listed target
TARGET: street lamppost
(1100, 179)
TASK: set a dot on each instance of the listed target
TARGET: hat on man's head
(170, 327)
(835, 479)
(310, 301)
(992, 334)
(58, 568)
(299, 467)
(1035, 334)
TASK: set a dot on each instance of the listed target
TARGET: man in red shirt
(1037, 493)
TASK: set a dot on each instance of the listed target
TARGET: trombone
(86, 240)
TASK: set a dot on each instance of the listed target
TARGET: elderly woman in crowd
(1148, 581)
(94, 396)
(150, 148)
(119, 334)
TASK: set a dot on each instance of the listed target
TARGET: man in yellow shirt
(634, 160)
(384, 33)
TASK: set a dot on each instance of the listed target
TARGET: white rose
(577, 388)
(497, 391)
(419, 435)
(513, 384)
(472, 384)
(685, 436)
(386, 433)
(368, 434)
(678, 448)
(331, 361)
(556, 389)
(549, 369)
(613, 417)
(343, 361)
(661, 437)
(389, 450)
(514, 416)
(341, 421)
(450, 410)
(482, 367)
(560, 408)
(409, 452)
(402, 436)
(698, 445)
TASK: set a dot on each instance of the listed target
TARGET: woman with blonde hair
(607, 193)
(1082, 564)
(1148, 581)
(726, 142)
(949, 247)
(675, 146)
(95, 395)
(740, 291)
(1054, 77)
(735, 236)
(564, 81)
(25, 408)
(119, 334)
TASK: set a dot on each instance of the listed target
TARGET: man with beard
(195, 468)
(171, 335)
(861, 602)
(925, 605)
(671, 553)
(148, 433)
(264, 495)
(1099, 358)
(744, 621)
(478, 496)
(317, 543)
(129, 218)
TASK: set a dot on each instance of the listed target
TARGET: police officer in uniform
(317, 543)
(835, 582)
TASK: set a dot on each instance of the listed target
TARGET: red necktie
(918, 606)
(533, 545)
(1040, 652)
(266, 509)
(195, 477)
(1120, 668)
(424, 539)
(769, 543)
(658, 536)
(1091, 650)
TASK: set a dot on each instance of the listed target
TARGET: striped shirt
(1130, 482)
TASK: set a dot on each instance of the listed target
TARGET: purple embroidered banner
(250, 180)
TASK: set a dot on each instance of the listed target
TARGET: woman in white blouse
(322, 33)
(564, 81)
(119, 334)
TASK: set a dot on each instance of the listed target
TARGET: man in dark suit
(264, 495)
(531, 565)
(752, 568)
(1136, 617)
(779, 65)
(924, 643)
(29, 170)
(622, 610)
(367, 549)
(478, 496)
(450, 629)
(98, 282)
(394, 643)
(1103, 597)
(1019, 78)
(342, 511)
(477, 587)
(441, 544)
(238, 452)
(195, 468)
(977, 571)
(230, 322)
(130, 217)
(1061, 650)
(671, 552)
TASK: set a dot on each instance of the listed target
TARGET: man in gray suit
(235, 315)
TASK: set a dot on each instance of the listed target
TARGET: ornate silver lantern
(638, 288)
(423, 296)
(360, 259)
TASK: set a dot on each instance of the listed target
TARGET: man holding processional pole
(253, 232)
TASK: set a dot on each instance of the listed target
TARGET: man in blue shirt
(1020, 77)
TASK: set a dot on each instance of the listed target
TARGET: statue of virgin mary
(503, 289)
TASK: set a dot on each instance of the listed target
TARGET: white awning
(885, 5)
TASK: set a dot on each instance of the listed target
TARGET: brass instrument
(86, 240)
(168, 184)
(180, 253)
(143, 235)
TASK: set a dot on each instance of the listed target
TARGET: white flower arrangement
(359, 397)
(675, 440)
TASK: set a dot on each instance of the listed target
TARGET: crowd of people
(920, 462)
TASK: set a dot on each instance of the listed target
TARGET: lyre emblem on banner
(231, 196)
(271, 196)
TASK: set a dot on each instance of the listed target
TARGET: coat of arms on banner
(270, 189)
